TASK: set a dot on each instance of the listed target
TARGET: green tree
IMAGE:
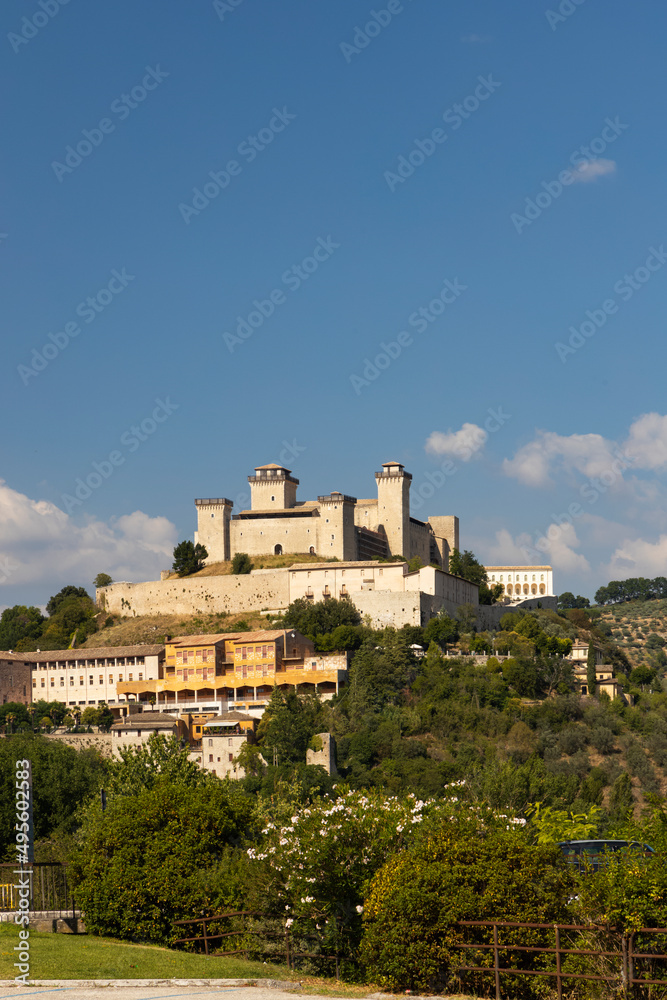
(642, 676)
(467, 566)
(620, 798)
(189, 558)
(102, 580)
(64, 595)
(160, 854)
(287, 726)
(17, 710)
(461, 872)
(89, 716)
(73, 619)
(63, 778)
(312, 618)
(467, 616)
(567, 601)
(20, 623)
(161, 756)
(441, 629)
(241, 564)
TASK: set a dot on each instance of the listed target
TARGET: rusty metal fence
(283, 945)
(50, 889)
(627, 963)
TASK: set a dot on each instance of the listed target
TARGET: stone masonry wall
(263, 588)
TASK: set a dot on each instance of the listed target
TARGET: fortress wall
(259, 536)
(263, 588)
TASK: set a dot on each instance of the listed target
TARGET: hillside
(639, 628)
(153, 628)
(258, 562)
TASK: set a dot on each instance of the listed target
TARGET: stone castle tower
(333, 526)
(393, 507)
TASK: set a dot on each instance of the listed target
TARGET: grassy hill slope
(631, 625)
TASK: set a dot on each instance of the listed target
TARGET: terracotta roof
(146, 720)
(195, 640)
(391, 463)
(272, 465)
(91, 653)
(229, 719)
(200, 640)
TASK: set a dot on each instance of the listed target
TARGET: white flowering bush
(315, 866)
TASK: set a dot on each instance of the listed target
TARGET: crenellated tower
(393, 484)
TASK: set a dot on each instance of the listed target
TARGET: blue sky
(169, 168)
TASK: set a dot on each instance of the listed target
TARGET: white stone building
(135, 730)
(222, 739)
(388, 592)
(82, 677)
(522, 582)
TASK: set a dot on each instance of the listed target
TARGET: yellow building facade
(238, 670)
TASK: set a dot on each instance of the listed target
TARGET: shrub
(160, 855)
(241, 564)
(461, 873)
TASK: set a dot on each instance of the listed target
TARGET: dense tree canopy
(633, 589)
(464, 564)
(189, 558)
(313, 618)
(20, 623)
(567, 600)
(63, 778)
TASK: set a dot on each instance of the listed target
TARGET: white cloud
(463, 444)
(41, 544)
(476, 39)
(593, 456)
(589, 454)
(637, 557)
(647, 442)
(555, 548)
(558, 545)
(592, 169)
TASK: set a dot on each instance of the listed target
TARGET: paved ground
(144, 992)
(109, 990)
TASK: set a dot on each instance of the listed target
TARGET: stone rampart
(259, 590)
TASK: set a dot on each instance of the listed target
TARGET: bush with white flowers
(316, 867)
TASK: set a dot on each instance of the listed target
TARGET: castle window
(333, 536)
(273, 498)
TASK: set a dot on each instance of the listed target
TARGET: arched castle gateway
(333, 525)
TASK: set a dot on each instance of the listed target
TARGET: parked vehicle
(588, 855)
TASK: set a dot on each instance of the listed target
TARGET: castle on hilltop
(334, 525)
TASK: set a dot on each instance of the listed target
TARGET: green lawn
(69, 956)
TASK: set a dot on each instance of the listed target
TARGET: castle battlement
(336, 525)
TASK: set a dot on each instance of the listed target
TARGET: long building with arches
(520, 583)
